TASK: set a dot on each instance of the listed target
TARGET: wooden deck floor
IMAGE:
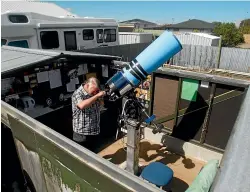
(185, 169)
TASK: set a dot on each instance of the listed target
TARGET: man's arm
(88, 102)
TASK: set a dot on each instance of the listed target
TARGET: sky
(161, 12)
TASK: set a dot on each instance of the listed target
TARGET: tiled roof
(193, 24)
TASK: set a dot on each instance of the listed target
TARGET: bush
(245, 30)
(231, 36)
(245, 22)
(245, 26)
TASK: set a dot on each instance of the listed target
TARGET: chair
(158, 174)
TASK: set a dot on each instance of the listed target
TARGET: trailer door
(70, 40)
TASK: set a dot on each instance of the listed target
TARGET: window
(49, 39)
(21, 43)
(99, 35)
(88, 34)
(3, 42)
(109, 35)
(18, 19)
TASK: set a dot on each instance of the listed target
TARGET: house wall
(142, 25)
(138, 25)
(126, 29)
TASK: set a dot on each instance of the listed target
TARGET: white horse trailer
(37, 31)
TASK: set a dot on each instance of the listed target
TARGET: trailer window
(88, 34)
(99, 35)
(3, 42)
(18, 19)
(49, 39)
(21, 43)
(109, 35)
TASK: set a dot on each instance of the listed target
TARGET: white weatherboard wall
(132, 38)
(198, 39)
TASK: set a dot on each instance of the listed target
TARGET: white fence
(206, 57)
(235, 59)
(197, 56)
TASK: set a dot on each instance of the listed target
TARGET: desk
(40, 110)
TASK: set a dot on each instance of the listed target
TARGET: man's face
(92, 89)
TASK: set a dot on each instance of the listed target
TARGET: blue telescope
(148, 61)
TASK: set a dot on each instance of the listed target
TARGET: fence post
(208, 114)
(218, 59)
(211, 100)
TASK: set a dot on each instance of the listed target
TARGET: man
(86, 112)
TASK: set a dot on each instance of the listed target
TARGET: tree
(231, 36)
(245, 22)
(245, 26)
(245, 29)
(216, 23)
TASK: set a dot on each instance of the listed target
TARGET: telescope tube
(148, 61)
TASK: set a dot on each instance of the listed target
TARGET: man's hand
(101, 94)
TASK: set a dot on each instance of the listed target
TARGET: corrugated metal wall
(131, 38)
(195, 39)
(128, 39)
(191, 39)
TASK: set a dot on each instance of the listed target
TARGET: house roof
(139, 21)
(192, 24)
(159, 27)
(44, 8)
(14, 58)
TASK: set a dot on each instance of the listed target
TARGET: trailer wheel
(49, 102)
(61, 97)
